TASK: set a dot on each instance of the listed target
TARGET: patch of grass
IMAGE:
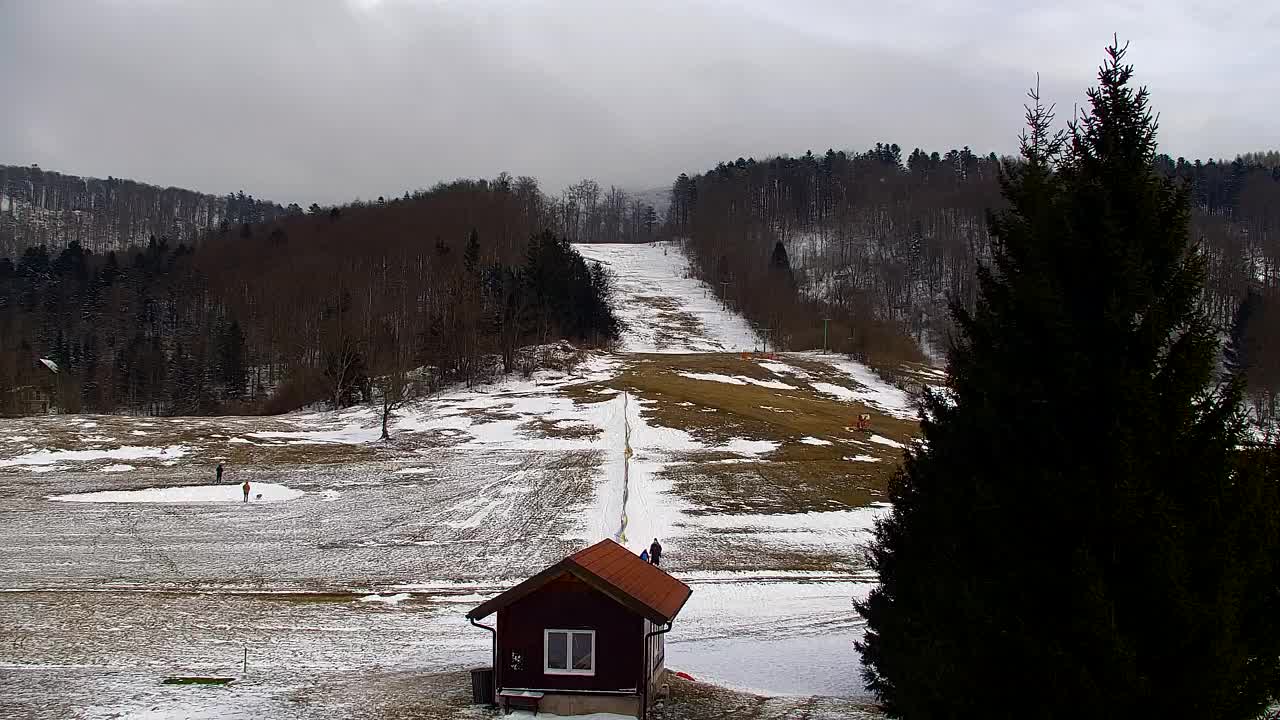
(564, 429)
(196, 681)
(747, 410)
(779, 487)
(798, 476)
(786, 416)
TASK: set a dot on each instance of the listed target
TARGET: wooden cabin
(584, 635)
(26, 400)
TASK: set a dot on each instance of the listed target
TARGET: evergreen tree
(1240, 353)
(233, 371)
(779, 260)
(1079, 537)
(780, 270)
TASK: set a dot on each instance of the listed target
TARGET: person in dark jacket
(655, 552)
(245, 487)
(219, 473)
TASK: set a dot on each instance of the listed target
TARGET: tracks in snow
(621, 536)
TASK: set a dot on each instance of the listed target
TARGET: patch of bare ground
(812, 469)
(914, 377)
(391, 696)
(778, 487)
(561, 429)
(746, 410)
(739, 550)
(673, 325)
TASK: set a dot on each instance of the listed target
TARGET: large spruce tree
(1079, 535)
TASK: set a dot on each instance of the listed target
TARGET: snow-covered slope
(664, 310)
(743, 467)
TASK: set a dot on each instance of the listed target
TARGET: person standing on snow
(644, 555)
(245, 487)
(219, 473)
(655, 552)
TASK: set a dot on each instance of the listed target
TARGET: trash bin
(482, 692)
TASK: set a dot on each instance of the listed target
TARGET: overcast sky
(328, 100)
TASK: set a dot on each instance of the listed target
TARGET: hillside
(43, 207)
(352, 575)
(880, 244)
(308, 308)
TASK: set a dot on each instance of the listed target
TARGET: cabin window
(569, 652)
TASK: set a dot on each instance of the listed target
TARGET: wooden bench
(524, 699)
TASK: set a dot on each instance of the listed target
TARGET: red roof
(613, 570)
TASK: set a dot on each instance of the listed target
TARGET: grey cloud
(327, 100)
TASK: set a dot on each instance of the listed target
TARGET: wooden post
(245, 670)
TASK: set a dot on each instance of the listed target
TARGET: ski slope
(355, 569)
(664, 310)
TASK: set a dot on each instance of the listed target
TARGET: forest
(43, 207)
(875, 246)
(248, 306)
(336, 305)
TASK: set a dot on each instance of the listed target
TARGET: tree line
(309, 307)
(1087, 529)
(42, 207)
(876, 245)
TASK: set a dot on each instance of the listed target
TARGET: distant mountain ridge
(44, 207)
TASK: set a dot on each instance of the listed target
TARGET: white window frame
(546, 652)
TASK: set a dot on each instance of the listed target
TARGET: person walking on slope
(245, 487)
(655, 552)
(219, 473)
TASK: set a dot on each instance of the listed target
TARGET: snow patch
(873, 391)
(778, 368)
(742, 446)
(838, 392)
(353, 434)
(129, 452)
(649, 278)
(386, 599)
(118, 468)
(814, 441)
(737, 380)
(270, 492)
(713, 377)
(881, 440)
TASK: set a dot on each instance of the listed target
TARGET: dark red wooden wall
(567, 603)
